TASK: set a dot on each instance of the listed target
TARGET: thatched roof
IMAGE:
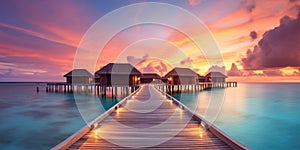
(216, 75)
(150, 76)
(118, 68)
(78, 73)
(182, 72)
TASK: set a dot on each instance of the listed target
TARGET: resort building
(181, 76)
(149, 77)
(79, 76)
(164, 79)
(215, 77)
(118, 74)
(201, 78)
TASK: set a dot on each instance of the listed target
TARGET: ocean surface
(259, 115)
(31, 120)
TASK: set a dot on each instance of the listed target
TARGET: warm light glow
(170, 101)
(258, 71)
(201, 131)
(180, 112)
(118, 110)
(95, 133)
(289, 71)
(201, 134)
(136, 78)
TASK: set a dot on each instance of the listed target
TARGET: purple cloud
(234, 71)
(135, 60)
(279, 47)
(276, 72)
(154, 67)
(253, 35)
(186, 61)
(249, 5)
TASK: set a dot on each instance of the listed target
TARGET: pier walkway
(149, 119)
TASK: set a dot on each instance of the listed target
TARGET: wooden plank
(128, 128)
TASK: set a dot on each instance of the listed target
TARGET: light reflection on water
(259, 115)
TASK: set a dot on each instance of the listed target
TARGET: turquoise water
(259, 115)
(31, 120)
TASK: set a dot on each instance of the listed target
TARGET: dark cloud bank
(279, 47)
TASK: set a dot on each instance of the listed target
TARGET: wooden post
(104, 90)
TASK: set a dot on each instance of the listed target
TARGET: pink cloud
(195, 2)
(217, 68)
(186, 61)
(37, 34)
(135, 60)
(154, 65)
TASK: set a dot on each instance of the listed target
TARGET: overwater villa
(115, 78)
(118, 74)
(126, 74)
(149, 77)
(201, 78)
(215, 77)
(181, 76)
(79, 76)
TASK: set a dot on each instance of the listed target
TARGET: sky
(258, 40)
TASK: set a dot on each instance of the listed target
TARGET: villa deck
(149, 119)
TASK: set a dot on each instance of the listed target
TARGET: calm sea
(259, 115)
(31, 120)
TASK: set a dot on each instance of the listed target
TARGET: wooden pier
(169, 88)
(91, 89)
(149, 119)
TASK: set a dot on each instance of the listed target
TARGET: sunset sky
(259, 39)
